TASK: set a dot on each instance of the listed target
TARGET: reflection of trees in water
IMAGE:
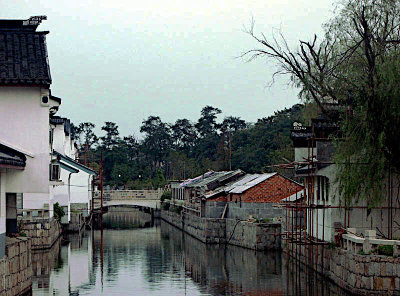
(164, 254)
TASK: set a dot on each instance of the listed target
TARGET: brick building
(252, 195)
(259, 188)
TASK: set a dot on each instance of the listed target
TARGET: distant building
(195, 189)
(252, 195)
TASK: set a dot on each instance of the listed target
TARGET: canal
(134, 257)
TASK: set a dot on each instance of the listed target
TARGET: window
(51, 132)
(54, 172)
(327, 188)
(20, 201)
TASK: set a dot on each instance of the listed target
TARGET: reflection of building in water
(62, 269)
(231, 270)
(227, 271)
(43, 261)
(122, 217)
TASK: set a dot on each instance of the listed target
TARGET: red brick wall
(273, 189)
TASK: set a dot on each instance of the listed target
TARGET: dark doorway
(11, 213)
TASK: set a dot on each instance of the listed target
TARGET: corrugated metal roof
(210, 177)
(248, 182)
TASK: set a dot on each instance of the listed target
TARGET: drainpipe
(69, 196)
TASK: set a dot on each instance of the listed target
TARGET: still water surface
(161, 260)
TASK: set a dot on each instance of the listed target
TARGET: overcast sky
(122, 61)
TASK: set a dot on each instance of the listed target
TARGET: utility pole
(101, 183)
(230, 151)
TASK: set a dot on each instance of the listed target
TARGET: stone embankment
(43, 231)
(360, 274)
(256, 236)
(16, 268)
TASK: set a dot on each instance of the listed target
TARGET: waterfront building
(325, 213)
(74, 191)
(196, 188)
(25, 103)
(253, 195)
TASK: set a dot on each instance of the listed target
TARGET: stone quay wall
(209, 231)
(76, 222)
(43, 231)
(356, 273)
(16, 267)
(256, 236)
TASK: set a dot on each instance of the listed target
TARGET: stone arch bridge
(137, 198)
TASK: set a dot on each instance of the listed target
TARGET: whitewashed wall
(25, 125)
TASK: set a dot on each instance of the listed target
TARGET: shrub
(166, 195)
(385, 250)
(178, 209)
(58, 211)
(165, 206)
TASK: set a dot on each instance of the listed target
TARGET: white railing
(367, 244)
(130, 194)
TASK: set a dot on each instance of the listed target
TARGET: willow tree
(356, 64)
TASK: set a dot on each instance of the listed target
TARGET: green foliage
(58, 211)
(177, 209)
(385, 250)
(166, 195)
(354, 66)
(111, 139)
(165, 206)
(266, 220)
(184, 149)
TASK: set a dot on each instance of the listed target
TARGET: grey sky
(122, 61)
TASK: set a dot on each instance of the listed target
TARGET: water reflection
(161, 260)
(123, 217)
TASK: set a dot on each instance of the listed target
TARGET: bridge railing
(129, 194)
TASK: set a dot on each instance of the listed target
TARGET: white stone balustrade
(368, 243)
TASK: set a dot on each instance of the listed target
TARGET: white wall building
(24, 115)
(74, 192)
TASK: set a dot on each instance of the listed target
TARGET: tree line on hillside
(185, 149)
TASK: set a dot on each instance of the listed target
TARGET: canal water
(142, 258)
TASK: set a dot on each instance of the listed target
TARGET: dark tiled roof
(74, 163)
(23, 55)
(11, 157)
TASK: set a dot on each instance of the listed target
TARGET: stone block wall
(256, 236)
(16, 268)
(76, 223)
(210, 231)
(43, 231)
(359, 274)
